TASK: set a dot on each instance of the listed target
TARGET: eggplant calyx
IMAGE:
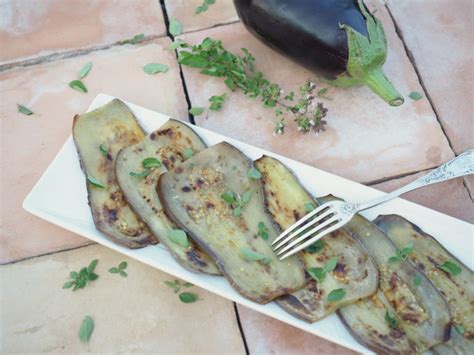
(366, 57)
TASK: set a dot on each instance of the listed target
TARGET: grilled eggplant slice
(420, 311)
(355, 272)
(457, 345)
(169, 145)
(99, 135)
(429, 256)
(213, 199)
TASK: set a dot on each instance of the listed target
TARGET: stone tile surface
(265, 335)
(137, 314)
(34, 28)
(366, 139)
(449, 197)
(44, 89)
(444, 59)
(221, 12)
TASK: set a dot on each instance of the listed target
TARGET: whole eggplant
(339, 39)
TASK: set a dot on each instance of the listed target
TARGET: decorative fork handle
(459, 166)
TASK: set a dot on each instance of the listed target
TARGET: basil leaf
(92, 265)
(149, 163)
(175, 28)
(78, 86)
(86, 329)
(228, 197)
(315, 247)
(418, 280)
(153, 68)
(392, 322)
(123, 265)
(194, 61)
(415, 95)
(254, 174)
(103, 150)
(309, 207)
(69, 284)
(188, 297)
(196, 111)
(250, 255)
(113, 270)
(179, 237)
(85, 70)
(144, 173)
(188, 153)
(450, 267)
(336, 295)
(24, 110)
(330, 264)
(95, 183)
(317, 273)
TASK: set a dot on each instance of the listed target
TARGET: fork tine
(311, 241)
(300, 230)
(302, 220)
(307, 234)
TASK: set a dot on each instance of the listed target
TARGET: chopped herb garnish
(309, 207)
(196, 111)
(142, 174)
(86, 329)
(336, 295)
(418, 280)
(316, 247)
(175, 28)
(450, 268)
(149, 163)
(120, 269)
(319, 273)
(392, 322)
(81, 278)
(179, 237)
(85, 70)
(236, 201)
(78, 86)
(204, 6)
(154, 68)
(24, 110)
(415, 95)
(459, 328)
(135, 40)
(188, 297)
(188, 153)
(262, 230)
(401, 254)
(216, 102)
(250, 255)
(254, 173)
(95, 183)
(103, 150)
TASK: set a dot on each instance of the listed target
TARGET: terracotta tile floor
(368, 145)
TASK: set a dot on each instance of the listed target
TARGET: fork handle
(461, 165)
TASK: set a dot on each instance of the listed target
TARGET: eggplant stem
(378, 82)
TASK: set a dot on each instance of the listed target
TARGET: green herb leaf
(135, 40)
(228, 197)
(216, 102)
(415, 95)
(73, 275)
(175, 28)
(336, 295)
(188, 153)
(417, 280)
(69, 284)
(179, 237)
(194, 61)
(250, 255)
(393, 259)
(315, 247)
(103, 150)
(392, 322)
(123, 273)
(317, 273)
(92, 265)
(175, 285)
(237, 211)
(188, 297)
(450, 268)
(459, 328)
(309, 207)
(401, 254)
(322, 92)
(85, 70)
(331, 264)
(86, 329)
(200, 9)
(188, 284)
(114, 270)
(153, 68)
(254, 173)
(24, 110)
(262, 230)
(144, 173)
(92, 276)
(196, 111)
(123, 265)
(178, 43)
(246, 196)
(78, 86)
(95, 183)
(149, 163)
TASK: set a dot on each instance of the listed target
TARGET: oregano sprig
(83, 277)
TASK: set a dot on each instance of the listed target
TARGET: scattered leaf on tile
(196, 111)
(85, 70)
(81, 278)
(154, 68)
(175, 27)
(24, 110)
(120, 269)
(86, 329)
(415, 95)
(78, 86)
(216, 102)
(188, 297)
(204, 6)
(135, 40)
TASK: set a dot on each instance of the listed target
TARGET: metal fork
(335, 214)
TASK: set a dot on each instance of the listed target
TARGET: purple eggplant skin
(314, 33)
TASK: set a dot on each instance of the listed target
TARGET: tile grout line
(241, 329)
(399, 176)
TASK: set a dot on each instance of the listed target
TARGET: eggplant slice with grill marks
(164, 150)
(433, 260)
(420, 313)
(355, 272)
(99, 135)
(212, 197)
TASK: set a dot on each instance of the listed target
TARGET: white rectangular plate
(60, 197)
